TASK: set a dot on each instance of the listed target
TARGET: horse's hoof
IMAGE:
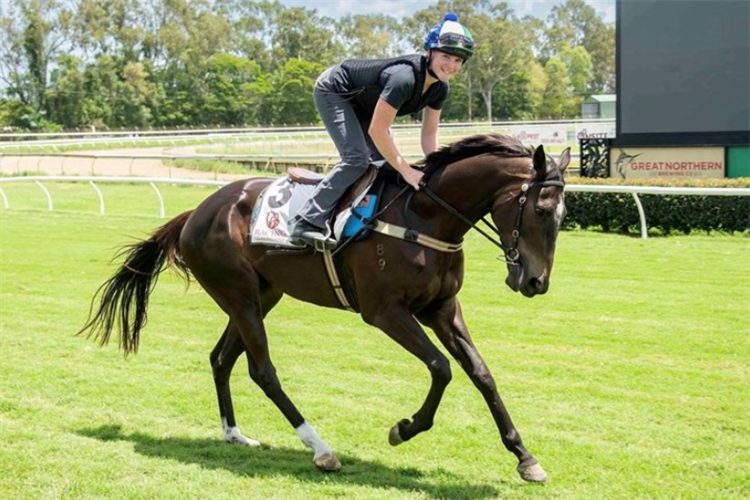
(394, 437)
(243, 441)
(532, 473)
(327, 462)
(236, 437)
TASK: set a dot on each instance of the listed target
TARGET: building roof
(602, 98)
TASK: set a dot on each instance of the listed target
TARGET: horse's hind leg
(237, 291)
(223, 357)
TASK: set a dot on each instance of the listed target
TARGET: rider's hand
(413, 177)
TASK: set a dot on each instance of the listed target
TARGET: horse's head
(529, 223)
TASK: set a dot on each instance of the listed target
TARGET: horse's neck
(469, 186)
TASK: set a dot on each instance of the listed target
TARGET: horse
(521, 188)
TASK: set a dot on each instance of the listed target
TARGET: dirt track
(57, 165)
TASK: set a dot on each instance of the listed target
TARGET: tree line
(67, 64)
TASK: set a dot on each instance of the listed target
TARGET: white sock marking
(234, 435)
(310, 438)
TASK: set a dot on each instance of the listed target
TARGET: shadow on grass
(266, 461)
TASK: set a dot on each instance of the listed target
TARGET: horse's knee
(220, 370)
(440, 368)
(213, 358)
(266, 379)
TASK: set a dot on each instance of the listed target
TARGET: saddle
(282, 200)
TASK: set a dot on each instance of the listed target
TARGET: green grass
(629, 380)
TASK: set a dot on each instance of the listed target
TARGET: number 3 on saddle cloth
(272, 216)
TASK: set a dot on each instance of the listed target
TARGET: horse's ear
(564, 160)
(540, 162)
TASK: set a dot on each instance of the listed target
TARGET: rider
(358, 101)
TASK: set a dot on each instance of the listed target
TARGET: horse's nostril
(536, 284)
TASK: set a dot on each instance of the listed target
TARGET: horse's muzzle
(528, 287)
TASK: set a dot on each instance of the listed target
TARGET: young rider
(358, 101)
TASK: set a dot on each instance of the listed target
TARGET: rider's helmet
(450, 36)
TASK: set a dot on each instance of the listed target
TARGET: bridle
(511, 253)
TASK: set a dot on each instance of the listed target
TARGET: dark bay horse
(521, 189)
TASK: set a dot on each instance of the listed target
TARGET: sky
(401, 8)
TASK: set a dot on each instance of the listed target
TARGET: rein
(511, 253)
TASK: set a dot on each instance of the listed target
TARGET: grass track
(629, 379)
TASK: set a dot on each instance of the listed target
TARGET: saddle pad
(271, 220)
(279, 202)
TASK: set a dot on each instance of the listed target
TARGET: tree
(260, 99)
(301, 34)
(556, 99)
(251, 27)
(134, 92)
(576, 23)
(580, 67)
(369, 36)
(501, 54)
(67, 92)
(34, 33)
(293, 96)
(227, 79)
(110, 27)
(578, 62)
(100, 86)
(537, 79)
(513, 99)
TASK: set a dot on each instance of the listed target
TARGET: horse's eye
(540, 211)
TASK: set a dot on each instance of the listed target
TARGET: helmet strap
(429, 67)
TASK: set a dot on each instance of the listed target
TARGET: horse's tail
(124, 296)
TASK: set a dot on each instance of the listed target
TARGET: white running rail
(153, 181)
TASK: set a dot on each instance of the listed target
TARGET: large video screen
(683, 67)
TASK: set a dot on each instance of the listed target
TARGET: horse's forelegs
(449, 326)
(398, 323)
(223, 358)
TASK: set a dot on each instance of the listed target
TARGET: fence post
(642, 215)
(161, 200)
(101, 198)
(49, 197)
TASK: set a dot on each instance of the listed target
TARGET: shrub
(685, 213)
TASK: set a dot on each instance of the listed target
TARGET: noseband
(512, 255)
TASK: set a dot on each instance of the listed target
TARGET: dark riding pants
(349, 133)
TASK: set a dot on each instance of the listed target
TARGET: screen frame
(728, 138)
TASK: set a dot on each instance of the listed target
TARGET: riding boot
(307, 234)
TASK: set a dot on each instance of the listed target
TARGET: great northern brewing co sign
(647, 163)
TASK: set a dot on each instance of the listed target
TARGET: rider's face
(445, 66)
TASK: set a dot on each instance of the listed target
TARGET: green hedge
(616, 212)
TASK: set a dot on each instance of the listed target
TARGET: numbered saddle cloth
(279, 202)
(272, 223)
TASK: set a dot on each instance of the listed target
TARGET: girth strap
(405, 234)
(333, 276)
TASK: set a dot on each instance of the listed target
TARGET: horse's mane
(497, 144)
